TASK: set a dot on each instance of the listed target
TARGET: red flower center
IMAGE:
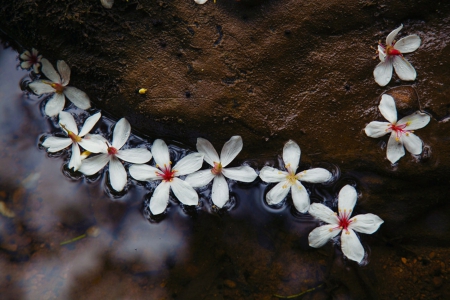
(399, 130)
(112, 150)
(391, 51)
(217, 168)
(344, 219)
(58, 87)
(33, 59)
(166, 173)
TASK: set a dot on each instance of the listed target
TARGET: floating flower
(350, 244)
(67, 122)
(107, 3)
(168, 176)
(58, 86)
(111, 153)
(202, 1)
(31, 60)
(401, 131)
(289, 181)
(392, 55)
(220, 193)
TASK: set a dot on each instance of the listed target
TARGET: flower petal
(316, 175)
(55, 144)
(117, 174)
(278, 193)
(388, 109)
(269, 174)
(351, 246)
(220, 193)
(160, 153)
(160, 198)
(184, 192)
(92, 145)
(230, 150)
(321, 235)
(347, 200)
(207, 149)
(66, 119)
(25, 55)
(377, 129)
(412, 143)
(323, 213)
(404, 69)
(242, 173)
(92, 165)
(200, 178)
(36, 68)
(121, 133)
(55, 105)
(383, 72)
(135, 155)
(200, 1)
(64, 71)
(78, 97)
(40, 87)
(408, 44)
(391, 37)
(415, 121)
(367, 223)
(395, 148)
(89, 124)
(291, 155)
(75, 159)
(49, 71)
(144, 173)
(381, 53)
(25, 64)
(300, 197)
(108, 4)
(188, 164)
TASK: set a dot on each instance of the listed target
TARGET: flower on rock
(350, 244)
(391, 55)
(201, 1)
(110, 153)
(290, 181)
(168, 176)
(32, 59)
(220, 193)
(67, 122)
(57, 84)
(401, 131)
(107, 3)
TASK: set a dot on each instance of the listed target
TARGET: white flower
(168, 176)
(220, 193)
(350, 244)
(58, 86)
(392, 55)
(289, 181)
(401, 131)
(31, 60)
(75, 139)
(111, 154)
(107, 3)
(201, 1)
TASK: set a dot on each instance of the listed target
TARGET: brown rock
(437, 281)
(229, 283)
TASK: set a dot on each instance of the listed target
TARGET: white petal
(408, 44)
(55, 144)
(64, 71)
(300, 197)
(36, 68)
(205, 147)
(135, 155)
(242, 173)
(144, 173)
(55, 105)
(351, 246)
(381, 53)
(220, 193)
(230, 150)
(92, 145)
(35, 52)
(117, 174)
(347, 200)
(25, 55)
(40, 87)
(200, 178)
(367, 223)
(321, 235)
(49, 71)
(25, 64)
(412, 143)
(160, 198)
(383, 72)
(388, 109)
(121, 133)
(316, 175)
(404, 69)
(89, 124)
(269, 174)
(160, 153)
(323, 213)
(200, 1)
(75, 159)
(415, 121)
(278, 193)
(377, 129)
(66, 119)
(188, 164)
(395, 149)
(291, 155)
(78, 97)
(184, 192)
(391, 37)
(92, 165)
(108, 4)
